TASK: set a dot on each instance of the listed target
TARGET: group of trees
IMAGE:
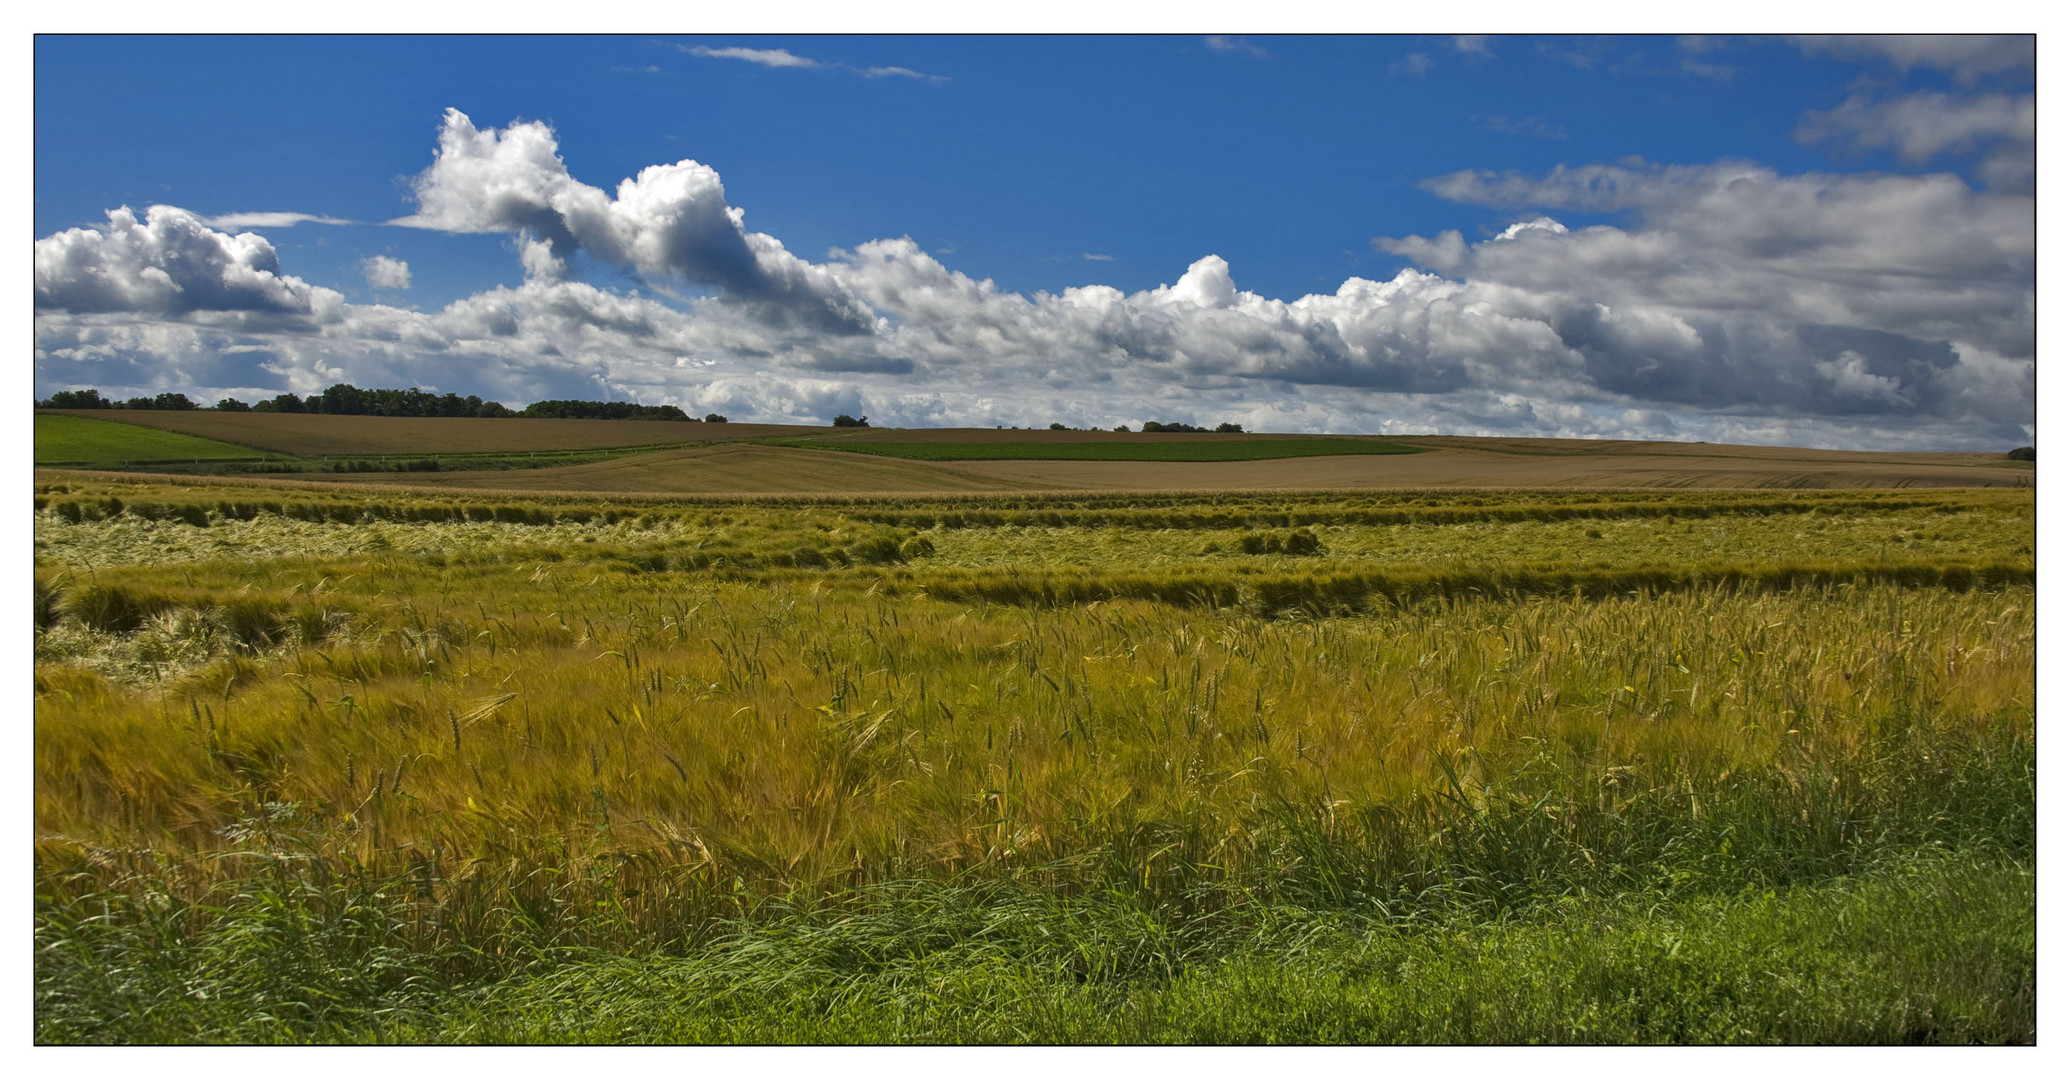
(92, 399)
(603, 410)
(1154, 426)
(345, 399)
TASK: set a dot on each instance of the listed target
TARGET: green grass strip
(1152, 448)
(1932, 948)
(76, 440)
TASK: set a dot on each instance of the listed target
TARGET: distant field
(764, 469)
(73, 440)
(322, 434)
(726, 468)
(664, 457)
(1140, 448)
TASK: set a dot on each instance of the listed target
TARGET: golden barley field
(446, 763)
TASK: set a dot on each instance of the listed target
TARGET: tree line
(345, 399)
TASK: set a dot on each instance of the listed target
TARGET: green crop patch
(1152, 448)
(75, 440)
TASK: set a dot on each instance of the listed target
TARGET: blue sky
(1818, 242)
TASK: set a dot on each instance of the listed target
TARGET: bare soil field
(314, 434)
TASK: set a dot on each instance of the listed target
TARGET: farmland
(352, 762)
(75, 440)
(647, 457)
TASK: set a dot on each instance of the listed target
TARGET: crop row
(198, 511)
(1275, 517)
(1332, 592)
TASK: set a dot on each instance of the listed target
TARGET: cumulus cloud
(671, 222)
(169, 264)
(1731, 303)
(383, 272)
(1740, 289)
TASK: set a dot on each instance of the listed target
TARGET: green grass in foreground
(75, 440)
(1938, 949)
(1151, 448)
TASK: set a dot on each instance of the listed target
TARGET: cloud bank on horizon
(1727, 302)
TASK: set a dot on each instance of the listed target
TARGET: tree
(287, 403)
(845, 420)
(88, 398)
(172, 401)
(714, 418)
(1121, 427)
(1058, 427)
(231, 404)
(1229, 429)
(2024, 453)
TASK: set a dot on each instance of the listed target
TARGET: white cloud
(1090, 257)
(900, 73)
(1415, 65)
(1921, 126)
(269, 220)
(1542, 224)
(1964, 56)
(383, 272)
(776, 58)
(1223, 43)
(669, 222)
(1740, 289)
(1735, 304)
(168, 264)
(784, 58)
(1471, 45)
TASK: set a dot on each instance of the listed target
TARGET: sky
(1823, 241)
